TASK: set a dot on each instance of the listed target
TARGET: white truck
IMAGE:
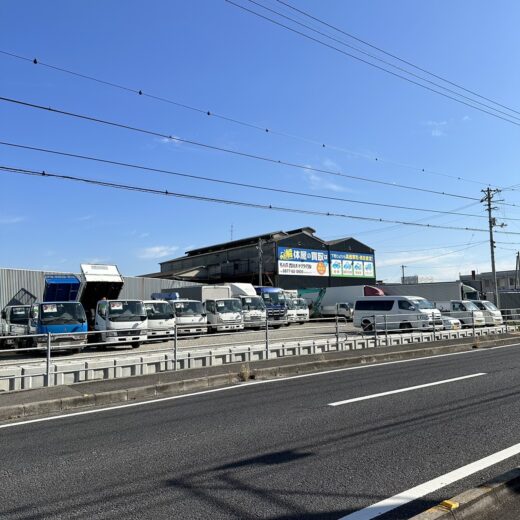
(223, 312)
(327, 301)
(491, 313)
(254, 311)
(14, 322)
(190, 316)
(161, 319)
(297, 311)
(464, 310)
(121, 322)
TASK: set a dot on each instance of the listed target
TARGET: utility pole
(402, 275)
(260, 261)
(488, 201)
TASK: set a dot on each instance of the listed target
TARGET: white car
(451, 323)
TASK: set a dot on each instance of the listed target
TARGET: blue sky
(209, 54)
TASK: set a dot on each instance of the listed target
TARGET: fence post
(337, 333)
(375, 331)
(175, 347)
(266, 335)
(48, 370)
(386, 331)
(505, 323)
(473, 321)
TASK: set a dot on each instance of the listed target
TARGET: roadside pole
(473, 321)
(175, 347)
(48, 368)
(266, 335)
(337, 333)
(375, 331)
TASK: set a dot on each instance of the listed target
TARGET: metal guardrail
(332, 331)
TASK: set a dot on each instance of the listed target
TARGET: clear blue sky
(208, 54)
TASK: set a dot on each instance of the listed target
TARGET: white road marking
(431, 486)
(245, 385)
(407, 389)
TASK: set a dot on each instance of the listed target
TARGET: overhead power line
(406, 62)
(265, 130)
(385, 62)
(235, 183)
(239, 153)
(495, 113)
(271, 207)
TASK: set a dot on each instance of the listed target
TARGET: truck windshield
(300, 303)
(62, 313)
(422, 304)
(228, 306)
(490, 306)
(188, 308)
(158, 311)
(470, 306)
(19, 315)
(273, 298)
(252, 303)
(125, 311)
(290, 304)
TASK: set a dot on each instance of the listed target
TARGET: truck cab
(66, 321)
(15, 322)
(253, 311)
(161, 319)
(190, 316)
(224, 314)
(121, 322)
(492, 315)
(275, 303)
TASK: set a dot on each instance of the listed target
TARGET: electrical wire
(271, 207)
(234, 183)
(364, 42)
(263, 129)
(431, 89)
(239, 153)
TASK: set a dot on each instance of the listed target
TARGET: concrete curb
(473, 503)
(134, 393)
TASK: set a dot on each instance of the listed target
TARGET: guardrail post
(473, 321)
(434, 331)
(266, 336)
(175, 347)
(386, 331)
(505, 323)
(48, 368)
(375, 331)
(337, 333)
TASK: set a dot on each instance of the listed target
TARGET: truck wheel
(405, 326)
(136, 344)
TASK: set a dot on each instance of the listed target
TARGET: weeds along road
(323, 446)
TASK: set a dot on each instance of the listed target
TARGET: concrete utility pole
(488, 200)
(260, 261)
(402, 275)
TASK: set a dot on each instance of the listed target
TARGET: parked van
(190, 316)
(224, 314)
(464, 310)
(161, 319)
(405, 313)
(121, 321)
(491, 313)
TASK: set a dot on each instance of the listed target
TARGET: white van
(161, 319)
(405, 313)
(464, 310)
(224, 314)
(121, 321)
(491, 313)
(190, 316)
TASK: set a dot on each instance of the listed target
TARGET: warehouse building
(289, 259)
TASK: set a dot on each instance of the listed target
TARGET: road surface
(277, 449)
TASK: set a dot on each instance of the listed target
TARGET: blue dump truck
(275, 304)
(59, 316)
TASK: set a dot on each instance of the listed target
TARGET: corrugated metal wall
(25, 286)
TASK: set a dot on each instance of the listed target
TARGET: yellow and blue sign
(294, 261)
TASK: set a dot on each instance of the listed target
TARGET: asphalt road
(272, 450)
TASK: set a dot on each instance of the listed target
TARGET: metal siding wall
(14, 280)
